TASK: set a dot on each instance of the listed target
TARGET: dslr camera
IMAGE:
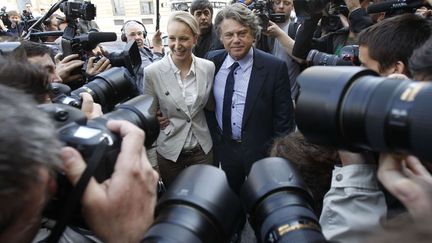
(264, 10)
(306, 8)
(82, 10)
(98, 146)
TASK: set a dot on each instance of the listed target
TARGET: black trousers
(231, 157)
(169, 170)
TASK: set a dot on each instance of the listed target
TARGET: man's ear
(400, 67)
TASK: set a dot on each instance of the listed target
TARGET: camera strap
(75, 195)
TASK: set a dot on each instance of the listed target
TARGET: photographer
(61, 71)
(40, 54)
(386, 46)
(30, 155)
(133, 30)
(335, 30)
(278, 40)
(34, 80)
(16, 27)
(27, 13)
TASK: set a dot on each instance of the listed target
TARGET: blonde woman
(181, 85)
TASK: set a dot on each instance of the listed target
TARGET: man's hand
(352, 5)
(157, 42)
(102, 65)
(273, 30)
(424, 12)
(89, 107)
(409, 181)
(64, 67)
(121, 208)
(163, 121)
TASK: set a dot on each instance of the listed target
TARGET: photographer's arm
(358, 16)
(274, 31)
(304, 37)
(157, 44)
(354, 188)
(121, 208)
(64, 67)
(409, 181)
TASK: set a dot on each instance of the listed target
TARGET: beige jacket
(161, 83)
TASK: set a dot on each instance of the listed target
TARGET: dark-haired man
(208, 40)
(387, 46)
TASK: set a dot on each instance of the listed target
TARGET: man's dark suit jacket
(269, 111)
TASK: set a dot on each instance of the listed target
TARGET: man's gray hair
(28, 142)
(240, 13)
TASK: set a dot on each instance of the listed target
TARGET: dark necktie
(227, 103)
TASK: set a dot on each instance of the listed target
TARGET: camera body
(82, 10)
(348, 56)
(264, 10)
(92, 138)
(306, 8)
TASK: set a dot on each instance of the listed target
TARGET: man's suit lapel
(256, 81)
(218, 59)
(169, 85)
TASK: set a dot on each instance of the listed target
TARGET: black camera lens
(352, 108)
(137, 111)
(129, 58)
(348, 57)
(198, 207)
(316, 58)
(279, 205)
(108, 88)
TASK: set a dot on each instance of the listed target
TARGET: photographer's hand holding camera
(121, 208)
(101, 65)
(65, 66)
(409, 181)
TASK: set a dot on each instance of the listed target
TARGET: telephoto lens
(279, 205)
(352, 108)
(108, 88)
(348, 57)
(198, 207)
